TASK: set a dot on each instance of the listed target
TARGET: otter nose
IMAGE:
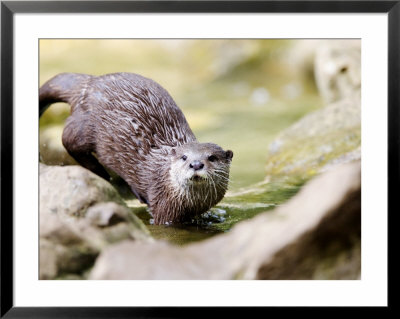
(196, 165)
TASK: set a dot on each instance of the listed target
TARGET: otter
(130, 125)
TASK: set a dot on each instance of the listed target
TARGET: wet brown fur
(131, 125)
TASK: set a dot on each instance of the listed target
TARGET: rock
(52, 151)
(335, 65)
(300, 57)
(80, 214)
(70, 190)
(338, 69)
(106, 214)
(56, 260)
(47, 260)
(62, 249)
(316, 235)
(321, 139)
(117, 222)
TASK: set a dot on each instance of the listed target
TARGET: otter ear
(229, 154)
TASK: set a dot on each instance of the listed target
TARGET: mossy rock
(328, 136)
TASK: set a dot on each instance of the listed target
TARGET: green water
(233, 208)
(237, 93)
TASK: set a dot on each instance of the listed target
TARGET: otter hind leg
(87, 160)
(80, 146)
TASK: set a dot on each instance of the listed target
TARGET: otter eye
(184, 157)
(212, 158)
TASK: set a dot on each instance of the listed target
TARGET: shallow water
(235, 207)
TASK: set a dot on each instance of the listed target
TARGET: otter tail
(60, 88)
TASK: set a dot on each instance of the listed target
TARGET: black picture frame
(9, 8)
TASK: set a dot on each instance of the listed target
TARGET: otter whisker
(222, 177)
(215, 188)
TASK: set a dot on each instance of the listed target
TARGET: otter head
(200, 170)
